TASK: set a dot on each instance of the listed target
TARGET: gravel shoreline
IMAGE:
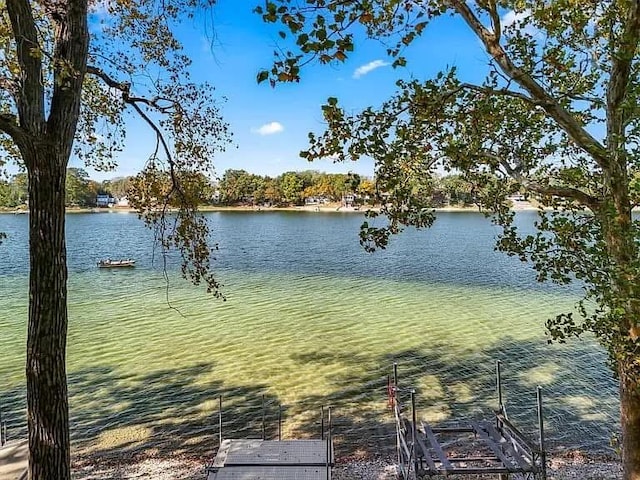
(574, 466)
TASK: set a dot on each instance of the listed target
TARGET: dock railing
(420, 453)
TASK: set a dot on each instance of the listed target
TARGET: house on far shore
(105, 200)
(349, 199)
(317, 200)
(518, 197)
(123, 202)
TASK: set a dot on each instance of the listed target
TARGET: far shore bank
(519, 206)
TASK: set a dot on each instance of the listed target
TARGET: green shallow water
(143, 375)
(146, 370)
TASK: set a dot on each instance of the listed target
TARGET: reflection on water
(310, 320)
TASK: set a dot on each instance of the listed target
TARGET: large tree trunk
(48, 412)
(630, 420)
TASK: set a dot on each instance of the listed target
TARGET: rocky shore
(572, 466)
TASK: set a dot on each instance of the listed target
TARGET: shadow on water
(174, 411)
(168, 412)
(579, 394)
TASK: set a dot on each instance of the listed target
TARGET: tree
(118, 187)
(69, 69)
(14, 192)
(367, 190)
(556, 113)
(458, 189)
(291, 186)
(78, 188)
(272, 191)
(236, 186)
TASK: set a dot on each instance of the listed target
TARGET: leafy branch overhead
(71, 71)
(134, 64)
(554, 116)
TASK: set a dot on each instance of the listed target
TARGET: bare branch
(563, 118)
(584, 98)
(157, 131)
(124, 87)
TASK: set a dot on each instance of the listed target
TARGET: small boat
(116, 263)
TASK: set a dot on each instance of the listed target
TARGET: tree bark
(48, 411)
(630, 421)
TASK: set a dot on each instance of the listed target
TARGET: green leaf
(262, 76)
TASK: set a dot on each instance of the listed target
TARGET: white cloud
(520, 21)
(512, 17)
(269, 128)
(369, 67)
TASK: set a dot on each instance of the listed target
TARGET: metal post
(279, 422)
(330, 436)
(414, 432)
(264, 436)
(327, 450)
(499, 386)
(395, 376)
(219, 421)
(396, 407)
(322, 422)
(543, 455)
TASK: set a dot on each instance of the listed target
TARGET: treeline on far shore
(239, 187)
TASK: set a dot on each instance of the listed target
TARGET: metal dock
(272, 460)
(262, 459)
(499, 446)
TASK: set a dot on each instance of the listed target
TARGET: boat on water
(125, 263)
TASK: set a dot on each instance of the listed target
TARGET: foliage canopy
(555, 115)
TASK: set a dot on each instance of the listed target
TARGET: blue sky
(230, 45)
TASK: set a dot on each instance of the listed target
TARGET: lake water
(310, 320)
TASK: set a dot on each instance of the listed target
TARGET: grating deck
(269, 473)
(271, 460)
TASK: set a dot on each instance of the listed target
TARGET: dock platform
(272, 460)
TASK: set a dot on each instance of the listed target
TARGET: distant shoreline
(518, 206)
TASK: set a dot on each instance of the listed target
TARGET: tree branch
(548, 190)
(621, 61)
(125, 89)
(9, 125)
(11, 86)
(490, 6)
(30, 102)
(69, 68)
(561, 116)
(552, 190)
(562, 191)
(500, 92)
